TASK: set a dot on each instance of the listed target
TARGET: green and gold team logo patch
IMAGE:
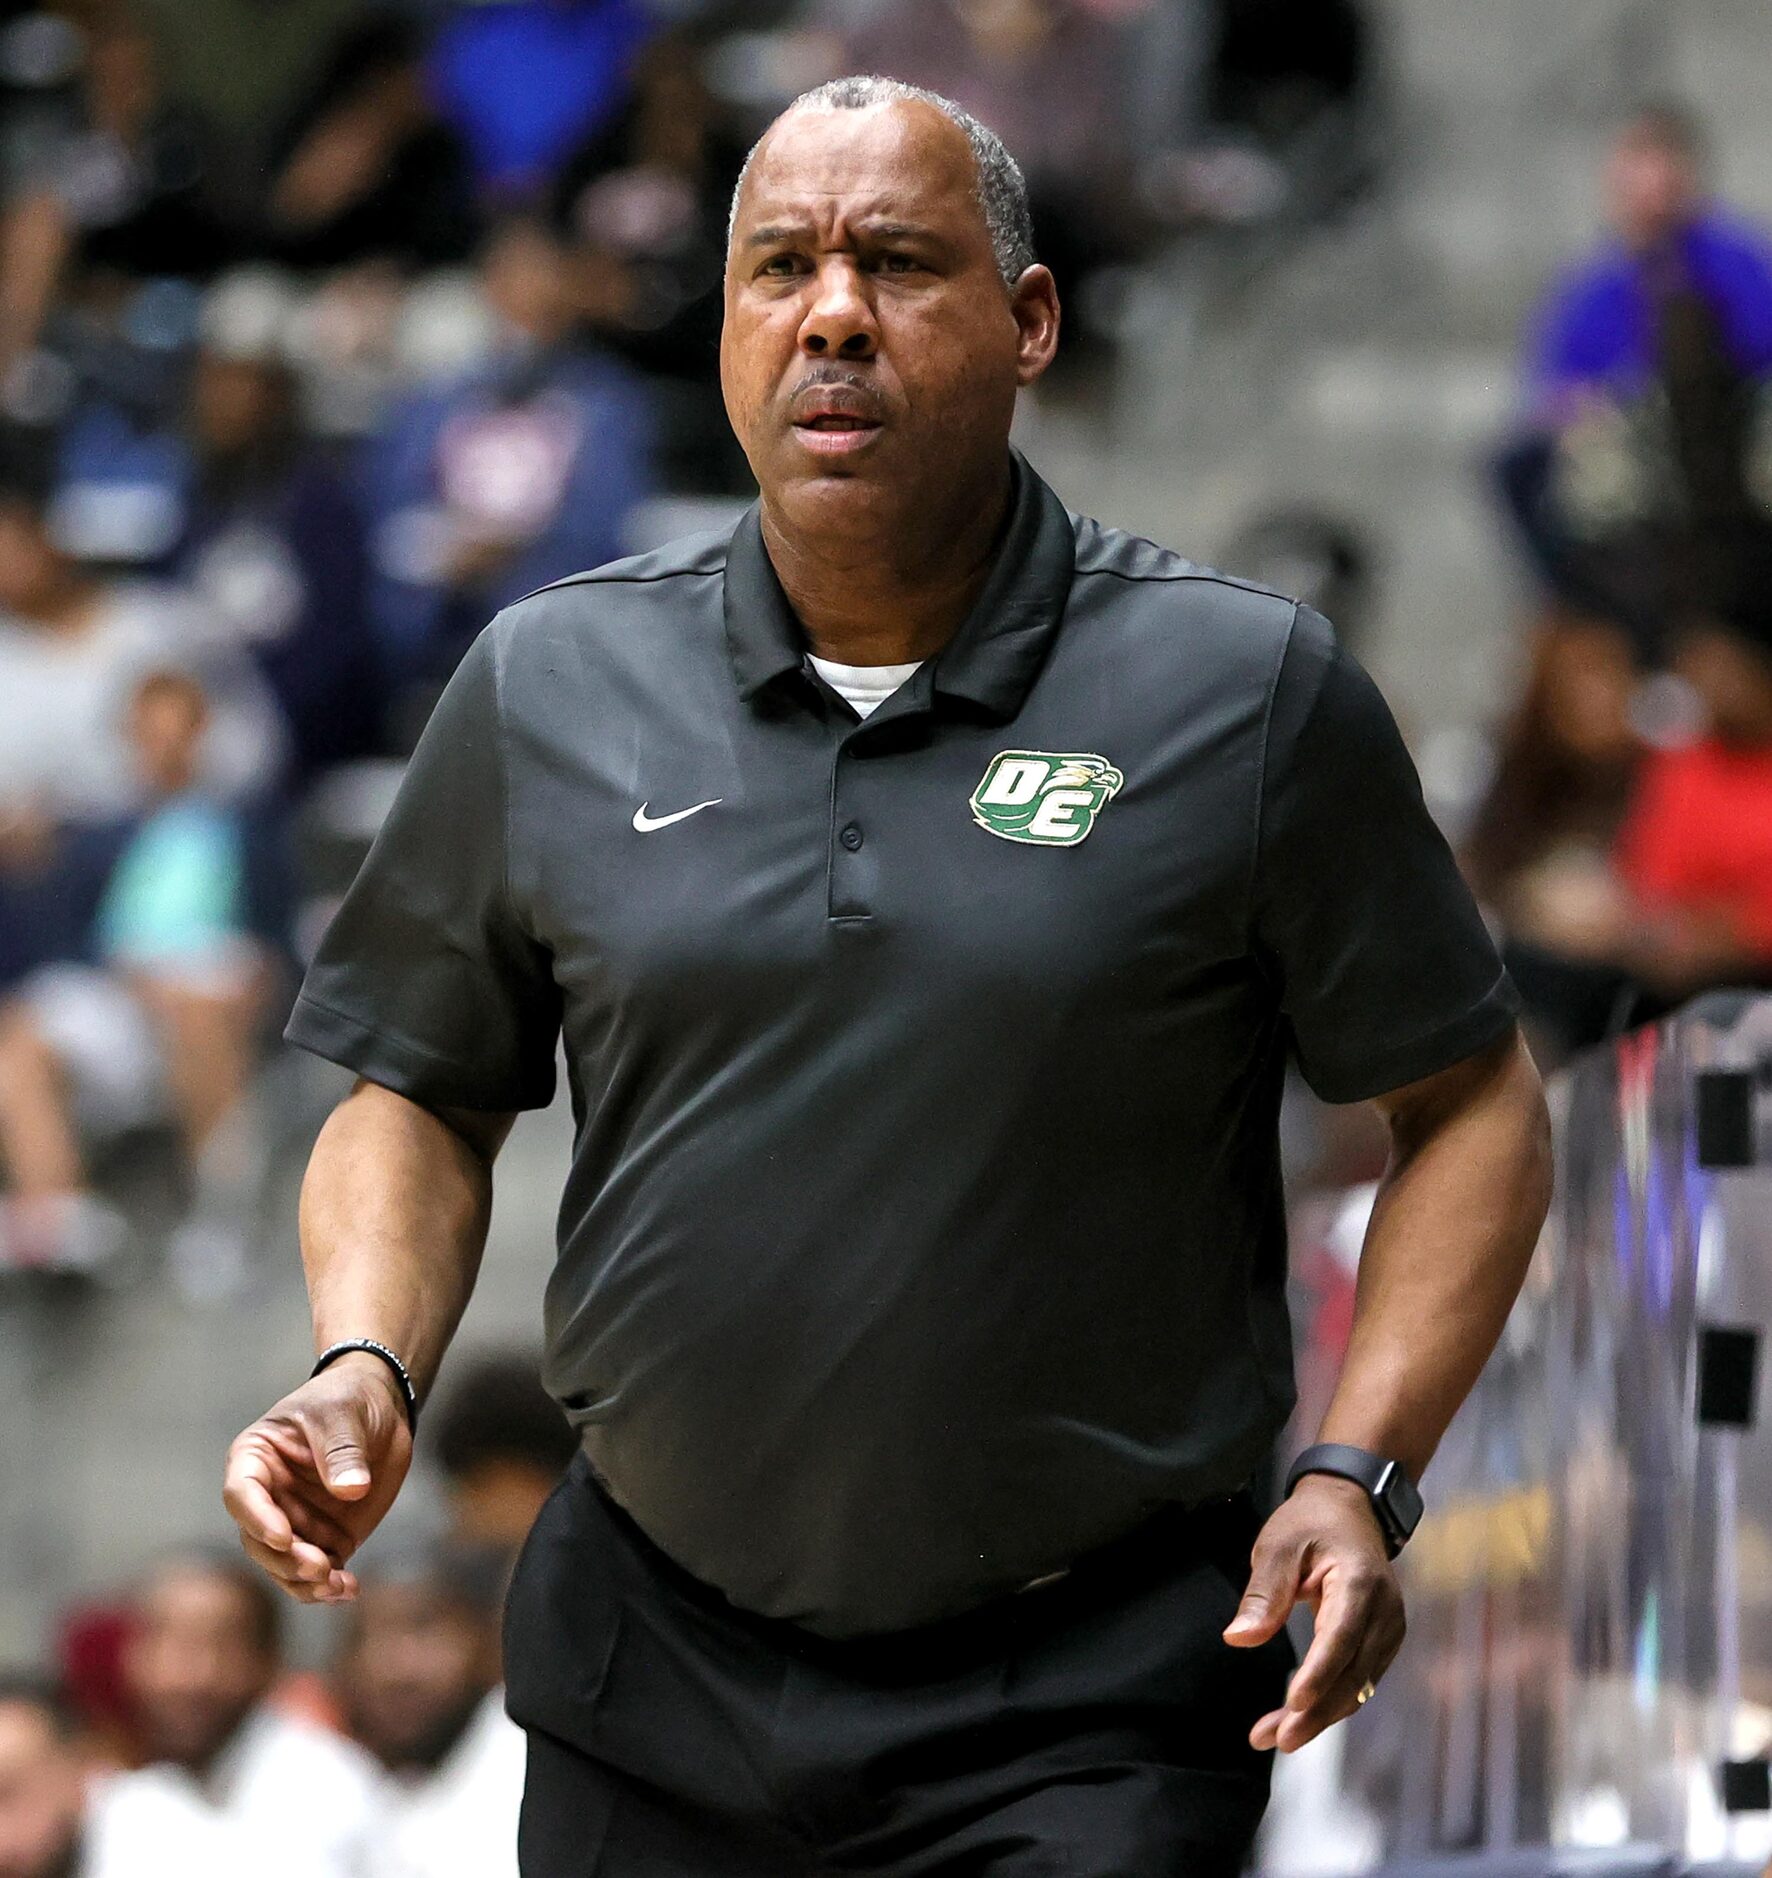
(1039, 796)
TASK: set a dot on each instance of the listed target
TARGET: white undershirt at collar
(863, 687)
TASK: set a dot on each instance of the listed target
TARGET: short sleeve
(1385, 970)
(427, 980)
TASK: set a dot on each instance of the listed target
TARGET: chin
(821, 497)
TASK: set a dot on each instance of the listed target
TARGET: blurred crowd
(1625, 845)
(327, 328)
(173, 1736)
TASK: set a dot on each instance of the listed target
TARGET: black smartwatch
(1396, 1500)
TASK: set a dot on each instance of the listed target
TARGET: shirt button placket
(850, 872)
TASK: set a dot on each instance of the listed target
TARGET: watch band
(1396, 1501)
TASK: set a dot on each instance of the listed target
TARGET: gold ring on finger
(1367, 1691)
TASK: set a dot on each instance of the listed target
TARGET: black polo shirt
(924, 1222)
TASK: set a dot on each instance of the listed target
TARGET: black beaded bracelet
(335, 1351)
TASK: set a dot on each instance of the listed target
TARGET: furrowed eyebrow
(773, 233)
(898, 231)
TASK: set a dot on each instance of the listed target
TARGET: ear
(1034, 302)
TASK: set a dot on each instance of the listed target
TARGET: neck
(866, 601)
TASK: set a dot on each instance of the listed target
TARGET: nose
(839, 322)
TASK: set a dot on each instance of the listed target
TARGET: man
(59, 1819)
(501, 1446)
(1632, 477)
(204, 1653)
(919, 1296)
(505, 476)
(158, 1016)
(421, 1689)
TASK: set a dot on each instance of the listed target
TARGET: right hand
(311, 1479)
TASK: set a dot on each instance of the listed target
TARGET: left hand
(1322, 1547)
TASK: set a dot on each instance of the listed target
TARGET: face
(417, 1665)
(526, 283)
(1734, 682)
(236, 402)
(1587, 679)
(42, 1794)
(31, 569)
(195, 1666)
(495, 1502)
(1651, 186)
(166, 723)
(871, 352)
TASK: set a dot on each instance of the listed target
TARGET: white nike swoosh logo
(646, 823)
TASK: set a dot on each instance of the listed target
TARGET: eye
(780, 266)
(896, 261)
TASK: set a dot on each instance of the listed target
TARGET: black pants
(1093, 1728)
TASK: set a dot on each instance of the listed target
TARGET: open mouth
(832, 433)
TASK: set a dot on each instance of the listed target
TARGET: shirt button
(851, 837)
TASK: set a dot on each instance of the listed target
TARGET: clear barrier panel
(1589, 1662)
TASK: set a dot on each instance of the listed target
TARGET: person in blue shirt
(1599, 327)
(1645, 369)
(517, 473)
(271, 534)
(526, 82)
(158, 1020)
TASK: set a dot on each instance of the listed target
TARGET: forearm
(1457, 1216)
(34, 243)
(394, 1212)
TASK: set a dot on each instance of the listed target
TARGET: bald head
(997, 181)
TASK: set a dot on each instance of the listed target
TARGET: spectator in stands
(1048, 77)
(420, 1684)
(502, 1445)
(644, 202)
(514, 475)
(1696, 850)
(1613, 924)
(1633, 480)
(163, 1021)
(366, 170)
(73, 647)
(1539, 853)
(271, 539)
(119, 193)
(203, 1659)
(59, 1818)
(526, 82)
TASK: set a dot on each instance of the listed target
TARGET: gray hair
(1002, 190)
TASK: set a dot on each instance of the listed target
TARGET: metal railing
(1589, 1665)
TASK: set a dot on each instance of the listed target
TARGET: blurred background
(327, 327)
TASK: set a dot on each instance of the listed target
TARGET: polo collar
(1000, 646)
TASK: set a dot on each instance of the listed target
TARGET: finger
(319, 1524)
(1372, 1625)
(339, 1444)
(1272, 1591)
(247, 1493)
(299, 1563)
(304, 1572)
(1340, 1630)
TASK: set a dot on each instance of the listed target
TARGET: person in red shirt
(1695, 851)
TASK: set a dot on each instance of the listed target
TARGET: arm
(1457, 1216)
(35, 241)
(393, 1223)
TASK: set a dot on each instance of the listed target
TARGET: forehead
(25, 1732)
(902, 158)
(196, 1597)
